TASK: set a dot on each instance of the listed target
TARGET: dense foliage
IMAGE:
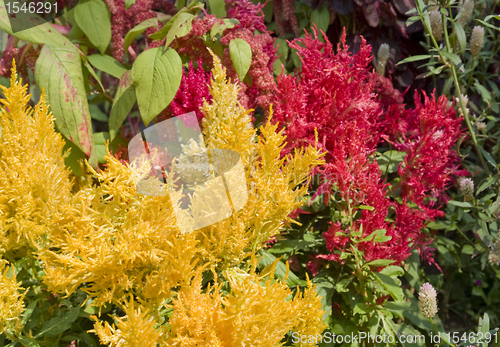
(373, 182)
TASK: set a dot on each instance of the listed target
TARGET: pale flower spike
(427, 303)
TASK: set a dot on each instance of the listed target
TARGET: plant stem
(455, 80)
(434, 326)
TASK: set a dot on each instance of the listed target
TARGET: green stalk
(461, 100)
(432, 322)
(455, 80)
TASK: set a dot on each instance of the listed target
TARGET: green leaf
(97, 114)
(378, 232)
(58, 325)
(181, 27)
(463, 204)
(485, 23)
(107, 64)
(192, 8)
(100, 140)
(412, 269)
(29, 311)
(75, 157)
(393, 271)
(362, 308)
(414, 58)
(437, 225)
(380, 262)
(157, 76)
(455, 59)
(485, 94)
(280, 270)
(412, 20)
(287, 246)
(325, 294)
(241, 56)
(462, 38)
(364, 207)
(59, 71)
(390, 285)
(92, 72)
(283, 48)
(218, 7)
(43, 33)
(484, 327)
(94, 18)
(488, 157)
(218, 27)
(123, 102)
(321, 17)
(129, 3)
(26, 341)
(137, 30)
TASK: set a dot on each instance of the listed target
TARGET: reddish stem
(61, 29)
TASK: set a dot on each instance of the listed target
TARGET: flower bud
(477, 40)
(436, 25)
(465, 12)
(494, 255)
(382, 56)
(481, 126)
(467, 188)
(427, 303)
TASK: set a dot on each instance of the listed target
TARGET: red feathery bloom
(352, 109)
(192, 91)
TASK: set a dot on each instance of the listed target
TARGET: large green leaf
(124, 101)
(192, 8)
(218, 7)
(100, 140)
(157, 76)
(180, 27)
(94, 18)
(280, 270)
(137, 30)
(321, 17)
(42, 33)
(108, 64)
(241, 56)
(59, 71)
(219, 27)
(58, 325)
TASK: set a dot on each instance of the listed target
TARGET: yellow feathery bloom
(33, 177)
(115, 240)
(256, 312)
(11, 300)
(275, 184)
(311, 320)
(136, 328)
(109, 241)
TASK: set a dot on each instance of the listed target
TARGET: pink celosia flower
(122, 20)
(192, 91)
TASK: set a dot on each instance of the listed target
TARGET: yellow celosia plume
(125, 248)
(33, 178)
(11, 301)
